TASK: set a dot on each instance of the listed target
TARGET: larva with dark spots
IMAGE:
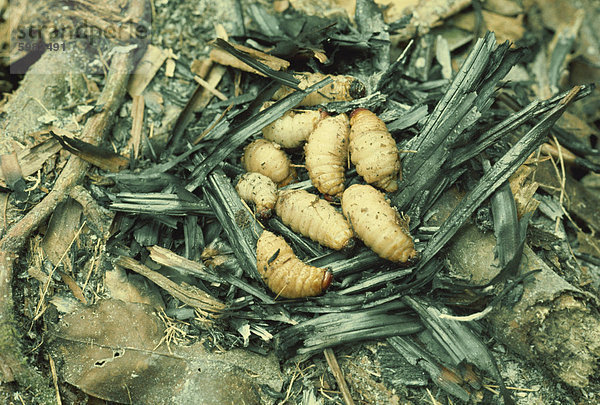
(343, 88)
(259, 190)
(285, 274)
(327, 153)
(373, 150)
(267, 158)
(377, 223)
(293, 128)
(314, 218)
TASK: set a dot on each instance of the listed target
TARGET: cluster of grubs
(328, 141)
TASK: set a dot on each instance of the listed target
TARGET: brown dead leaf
(100, 157)
(132, 288)
(109, 350)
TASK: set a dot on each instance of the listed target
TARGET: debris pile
(314, 181)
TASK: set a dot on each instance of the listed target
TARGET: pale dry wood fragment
(146, 70)
(137, 115)
(225, 58)
(201, 67)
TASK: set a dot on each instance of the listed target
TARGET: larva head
(358, 114)
(327, 279)
(329, 198)
(357, 111)
(357, 89)
(263, 213)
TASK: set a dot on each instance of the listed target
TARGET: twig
(54, 379)
(210, 88)
(339, 376)
(186, 293)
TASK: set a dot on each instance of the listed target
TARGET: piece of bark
(201, 67)
(338, 374)
(552, 322)
(11, 170)
(504, 7)
(33, 158)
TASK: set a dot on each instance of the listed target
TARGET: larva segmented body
(377, 224)
(285, 274)
(259, 190)
(267, 158)
(293, 128)
(326, 154)
(314, 218)
(373, 150)
(343, 88)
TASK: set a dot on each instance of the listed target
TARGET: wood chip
(224, 58)
(72, 284)
(137, 115)
(201, 67)
(170, 68)
(146, 70)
